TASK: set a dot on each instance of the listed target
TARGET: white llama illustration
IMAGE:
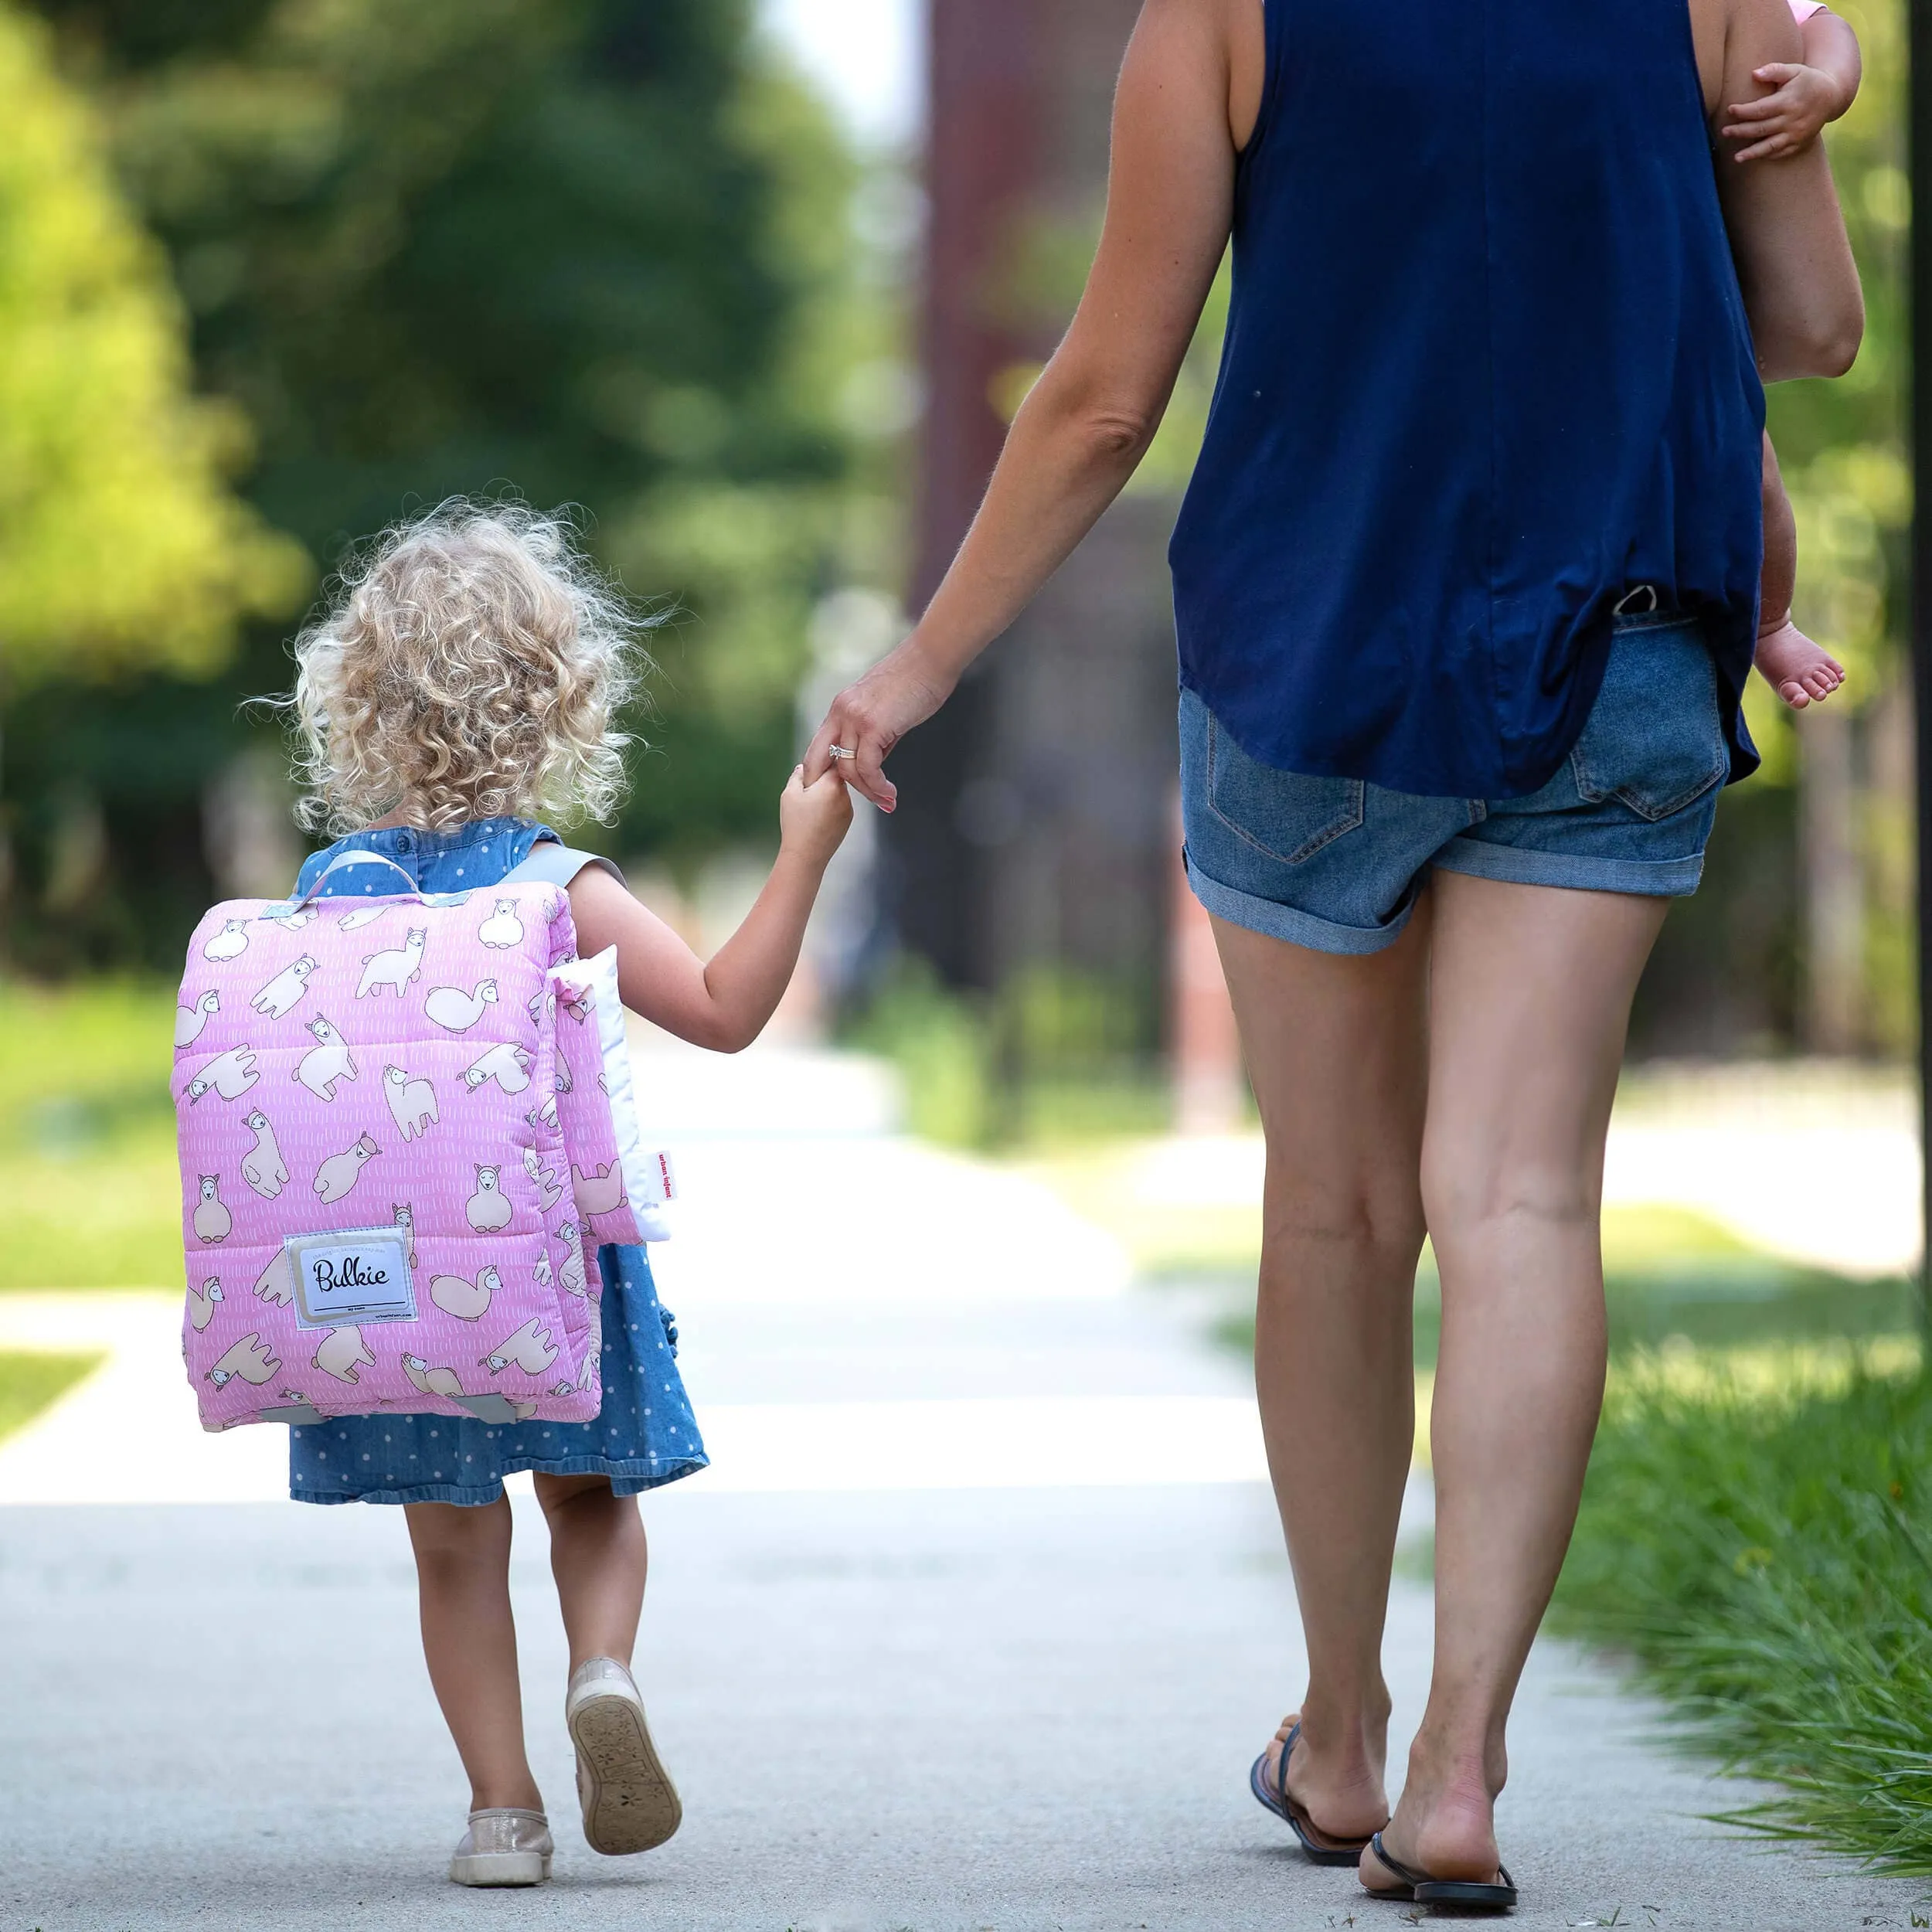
(212, 1222)
(230, 942)
(412, 1102)
(502, 928)
(549, 1190)
(327, 1061)
(201, 1302)
(599, 1193)
(488, 1209)
(250, 1358)
(230, 1074)
(277, 1282)
(467, 1301)
(395, 968)
(263, 1167)
(457, 1011)
(341, 1172)
(282, 993)
(431, 1381)
(527, 1348)
(508, 1065)
(190, 1020)
(343, 1352)
(571, 1277)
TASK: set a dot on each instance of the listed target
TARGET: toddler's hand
(1783, 122)
(813, 819)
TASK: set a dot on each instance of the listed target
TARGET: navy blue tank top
(1487, 370)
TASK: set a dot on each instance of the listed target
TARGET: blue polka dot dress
(644, 1434)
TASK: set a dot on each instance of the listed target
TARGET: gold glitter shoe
(503, 1846)
(629, 1803)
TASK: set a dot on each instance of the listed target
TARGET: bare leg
(1796, 668)
(469, 1638)
(1530, 993)
(1337, 1049)
(598, 1556)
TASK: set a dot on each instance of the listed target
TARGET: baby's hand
(1784, 122)
(813, 819)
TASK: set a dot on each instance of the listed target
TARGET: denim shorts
(1335, 863)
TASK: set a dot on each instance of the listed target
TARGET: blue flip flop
(1425, 1890)
(1316, 1844)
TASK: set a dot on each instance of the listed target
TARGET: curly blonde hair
(468, 664)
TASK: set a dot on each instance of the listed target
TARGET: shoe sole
(630, 1804)
(499, 1868)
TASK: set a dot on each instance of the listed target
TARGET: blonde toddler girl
(462, 684)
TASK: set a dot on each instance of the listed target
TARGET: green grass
(28, 1383)
(1756, 1534)
(87, 1138)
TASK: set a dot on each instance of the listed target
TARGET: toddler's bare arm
(725, 1003)
(1808, 92)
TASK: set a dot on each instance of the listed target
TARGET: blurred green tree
(121, 542)
(592, 251)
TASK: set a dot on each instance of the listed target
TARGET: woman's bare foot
(1444, 1826)
(1340, 1793)
(1796, 668)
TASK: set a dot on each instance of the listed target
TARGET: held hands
(813, 819)
(1784, 122)
(869, 717)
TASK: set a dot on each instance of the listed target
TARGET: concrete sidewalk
(977, 1623)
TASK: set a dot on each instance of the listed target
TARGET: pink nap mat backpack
(406, 1127)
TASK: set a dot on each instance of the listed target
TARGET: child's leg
(463, 1576)
(1794, 667)
(598, 1556)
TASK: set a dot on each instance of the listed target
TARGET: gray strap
(551, 864)
(344, 858)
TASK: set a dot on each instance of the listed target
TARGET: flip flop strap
(1395, 1865)
(1413, 1879)
(1281, 1767)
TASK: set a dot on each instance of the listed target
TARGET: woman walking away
(464, 680)
(1466, 583)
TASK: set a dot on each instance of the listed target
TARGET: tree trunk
(1834, 886)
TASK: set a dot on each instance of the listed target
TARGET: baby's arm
(1809, 93)
(723, 1004)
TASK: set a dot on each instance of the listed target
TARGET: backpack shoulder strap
(551, 864)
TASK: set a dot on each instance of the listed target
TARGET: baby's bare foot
(1795, 668)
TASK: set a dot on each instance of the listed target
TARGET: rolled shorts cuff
(1580, 871)
(1274, 920)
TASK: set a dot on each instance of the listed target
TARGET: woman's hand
(813, 819)
(869, 717)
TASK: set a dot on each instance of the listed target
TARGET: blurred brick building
(1035, 822)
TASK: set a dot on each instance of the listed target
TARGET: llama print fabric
(378, 1201)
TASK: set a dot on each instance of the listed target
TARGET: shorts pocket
(1654, 740)
(1287, 814)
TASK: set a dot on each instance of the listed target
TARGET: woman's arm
(723, 1004)
(1087, 422)
(1794, 262)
